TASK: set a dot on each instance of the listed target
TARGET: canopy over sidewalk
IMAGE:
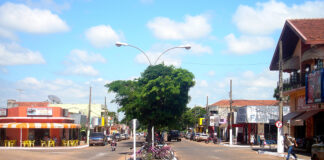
(39, 125)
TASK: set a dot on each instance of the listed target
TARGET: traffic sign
(278, 124)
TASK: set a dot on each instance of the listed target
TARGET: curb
(42, 148)
(276, 154)
(234, 146)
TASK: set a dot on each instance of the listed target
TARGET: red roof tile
(310, 30)
(241, 103)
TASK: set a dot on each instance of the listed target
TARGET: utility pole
(231, 115)
(207, 120)
(280, 140)
(89, 111)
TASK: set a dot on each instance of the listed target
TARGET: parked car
(202, 137)
(117, 136)
(174, 135)
(122, 137)
(109, 138)
(195, 138)
(97, 138)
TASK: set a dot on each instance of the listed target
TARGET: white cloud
(81, 56)
(269, 16)
(247, 44)
(19, 17)
(198, 48)
(246, 85)
(81, 69)
(13, 54)
(193, 27)
(102, 36)
(7, 34)
(48, 4)
(79, 63)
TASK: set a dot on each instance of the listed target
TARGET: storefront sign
(314, 87)
(3, 112)
(32, 104)
(39, 112)
(302, 106)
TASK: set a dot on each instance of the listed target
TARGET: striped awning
(39, 125)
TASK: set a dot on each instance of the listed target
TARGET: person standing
(290, 142)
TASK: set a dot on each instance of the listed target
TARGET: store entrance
(318, 124)
(38, 135)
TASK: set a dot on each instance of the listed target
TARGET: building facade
(303, 54)
(36, 121)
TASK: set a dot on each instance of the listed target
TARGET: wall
(96, 109)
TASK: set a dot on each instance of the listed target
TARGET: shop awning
(306, 115)
(39, 125)
(291, 115)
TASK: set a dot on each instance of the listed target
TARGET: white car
(195, 138)
(203, 137)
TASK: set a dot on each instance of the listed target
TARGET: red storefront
(36, 121)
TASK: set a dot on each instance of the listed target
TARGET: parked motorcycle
(211, 139)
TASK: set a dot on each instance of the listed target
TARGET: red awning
(39, 125)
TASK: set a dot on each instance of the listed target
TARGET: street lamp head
(118, 44)
(187, 46)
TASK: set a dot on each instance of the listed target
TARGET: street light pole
(280, 139)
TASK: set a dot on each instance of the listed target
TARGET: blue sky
(62, 47)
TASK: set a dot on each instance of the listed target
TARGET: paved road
(190, 150)
(89, 153)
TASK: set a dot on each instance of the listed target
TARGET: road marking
(97, 155)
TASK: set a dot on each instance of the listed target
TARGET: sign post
(134, 138)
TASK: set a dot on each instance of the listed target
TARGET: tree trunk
(149, 134)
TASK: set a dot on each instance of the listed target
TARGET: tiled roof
(241, 103)
(310, 30)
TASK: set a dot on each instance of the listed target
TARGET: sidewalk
(268, 149)
(43, 148)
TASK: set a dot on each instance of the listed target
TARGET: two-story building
(22, 121)
(302, 55)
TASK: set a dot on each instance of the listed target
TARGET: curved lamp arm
(118, 44)
(186, 47)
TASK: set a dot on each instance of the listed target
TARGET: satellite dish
(54, 99)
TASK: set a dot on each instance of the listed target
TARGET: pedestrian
(262, 140)
(290, 143)
(252, 140)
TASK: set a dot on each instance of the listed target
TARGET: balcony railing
(293, 82)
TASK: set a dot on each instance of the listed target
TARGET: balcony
(293, 82)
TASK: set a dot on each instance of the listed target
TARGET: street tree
(158, 98)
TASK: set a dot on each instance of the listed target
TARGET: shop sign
(32, 104)
(214, 121)
(302, 106)
(39, 112)
(3, 112)
(314, 87)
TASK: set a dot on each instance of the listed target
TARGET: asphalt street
(191, 150)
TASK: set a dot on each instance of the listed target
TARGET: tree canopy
(157, 98)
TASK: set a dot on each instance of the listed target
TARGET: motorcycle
(211, 139)
(113, 145)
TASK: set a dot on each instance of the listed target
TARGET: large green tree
(158, 98)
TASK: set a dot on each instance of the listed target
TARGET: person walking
(290, 143)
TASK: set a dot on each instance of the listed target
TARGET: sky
(62, 48)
